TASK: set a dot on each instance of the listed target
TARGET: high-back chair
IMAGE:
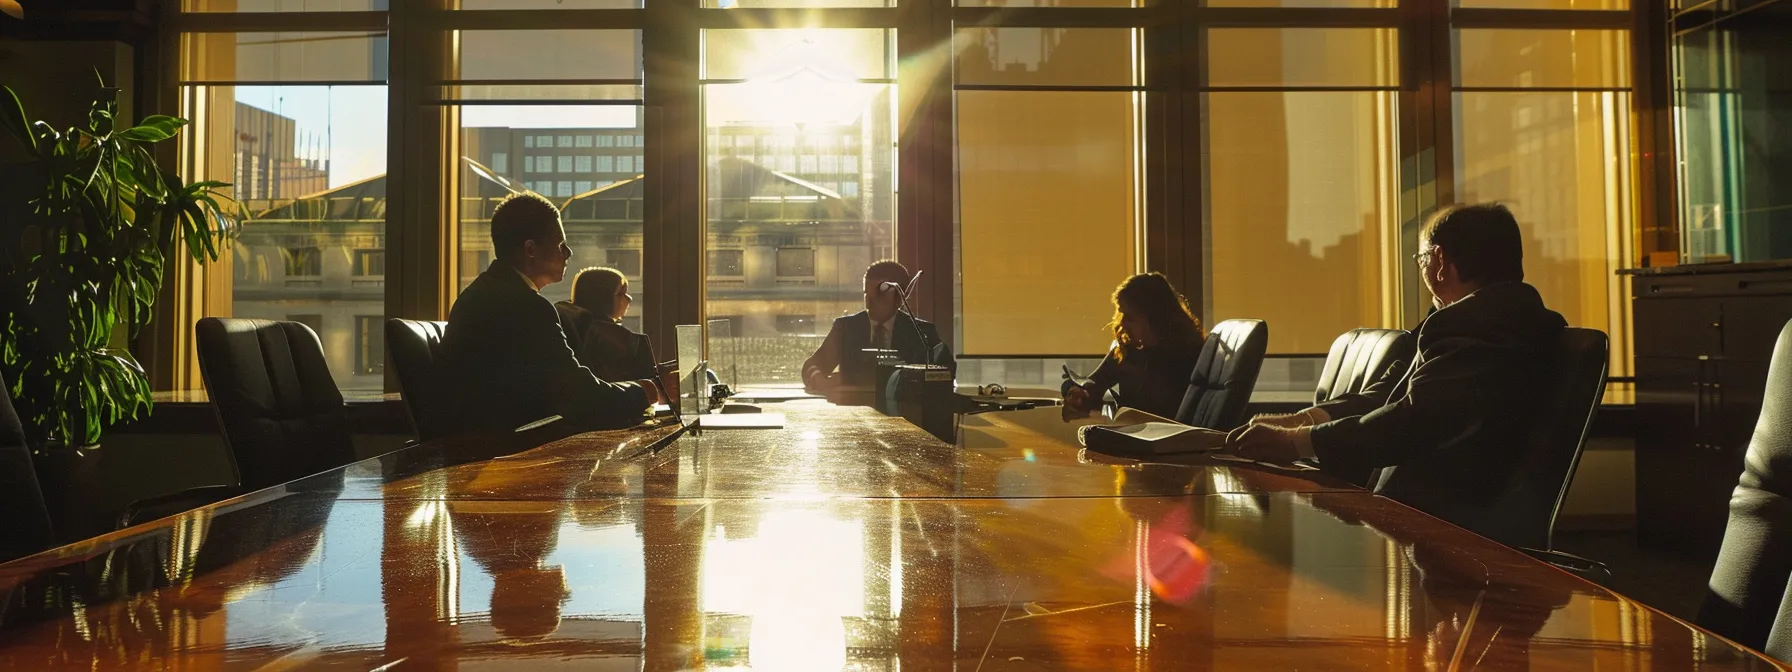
(1359, 357)
(282, 416)
(1748, 584)
(1524, 515)
(416, 351)
(1219, 388)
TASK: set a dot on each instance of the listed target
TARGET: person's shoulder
(861, 316)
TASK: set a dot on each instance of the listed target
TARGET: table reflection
(595, 552)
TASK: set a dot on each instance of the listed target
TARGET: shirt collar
(526, 280)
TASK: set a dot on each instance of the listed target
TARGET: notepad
(1135, 432)
(741, 421)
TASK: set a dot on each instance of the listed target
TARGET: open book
(1135, 432)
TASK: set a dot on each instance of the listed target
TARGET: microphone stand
(926, 351)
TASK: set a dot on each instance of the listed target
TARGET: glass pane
(312, 173)
(1545, 4)
(798, 55)
(550, 54)
(283, 57)
(1053, 3)
(1304, 3)
(585, 159)
(1302, 57)
(550, 4)
(801, 193)
(1042, 173)
(1302, 193)
(1047, 56)
(1735, 158)
(734, 4)
(1561, 162)
(283, 5)
(1542, 58)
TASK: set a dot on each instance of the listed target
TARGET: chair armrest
(162, 506)
(1591, 570)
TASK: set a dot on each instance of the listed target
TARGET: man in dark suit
(841, 361)
(507, 362)
(1445, 432)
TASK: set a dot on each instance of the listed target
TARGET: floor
(1661, 580)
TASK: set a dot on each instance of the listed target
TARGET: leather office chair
(1524, 515)
(416, 350)
(282, 415)
(27, 519)
(1359, 357)
(1219, 389)
(1744, 598)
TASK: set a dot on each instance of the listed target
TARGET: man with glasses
(1443, 431)
(507, 363)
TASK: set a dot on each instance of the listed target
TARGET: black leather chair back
(1749, 581)
(1524, 515)
(1220, 387)
(416, 350)
(1360, 357)
(282, 415)
(26, 527)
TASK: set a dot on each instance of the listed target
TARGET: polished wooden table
(846, 540)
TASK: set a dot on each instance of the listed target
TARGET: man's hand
(1284, 420)
(1267, 443)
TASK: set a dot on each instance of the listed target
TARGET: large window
(783, 98)
(307, 167)
(1300, 133)
(1049, 185)
(1543, 125)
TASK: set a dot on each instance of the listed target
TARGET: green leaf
(12, 120)
(145, 134)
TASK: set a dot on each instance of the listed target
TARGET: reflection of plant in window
(304, 262)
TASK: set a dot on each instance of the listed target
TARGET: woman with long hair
(1156, 342)
(593, 325)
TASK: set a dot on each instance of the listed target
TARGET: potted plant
(87, 224)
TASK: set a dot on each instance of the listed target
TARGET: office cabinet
(1703, 339)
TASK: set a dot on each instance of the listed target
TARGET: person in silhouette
(1156, 342)
(506, 360)
(1443, 431)
(882, 325)
(592, 321)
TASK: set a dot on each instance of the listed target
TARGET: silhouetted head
(1149, 312)
(527, 235)
(602, 291)
(880, 301)
(1466, 247)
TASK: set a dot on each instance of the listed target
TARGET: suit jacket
(609, 349)
(1153, 380)
(507, 363)
(851, 334)
(1448, 429)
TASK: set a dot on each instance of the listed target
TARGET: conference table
(842, 540)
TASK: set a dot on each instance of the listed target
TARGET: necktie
(882, 339)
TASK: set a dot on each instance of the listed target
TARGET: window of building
(727, 263)
(606, 141)
(830, 164)
(563, 188)
(303, 262)
(582, 164)
(581, 186)
(849, 189)
(370, 345)
(627, 261)
(544, 141)
(796, 324)
(625, 164)
(626, 140)
(606, 164)
(370, 262)
(796, 262)
(563, 164)
(564, 141)
(500, 162)
(807, 164)
(583, 141)
(529, 141)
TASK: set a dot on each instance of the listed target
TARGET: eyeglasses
(1421, 256)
